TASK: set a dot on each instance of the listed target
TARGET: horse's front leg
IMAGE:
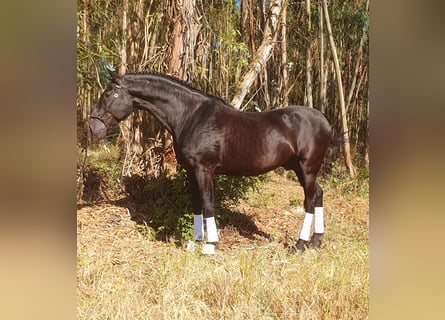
(204, 192)
(198, 219)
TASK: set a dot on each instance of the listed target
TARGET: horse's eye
(115, 95)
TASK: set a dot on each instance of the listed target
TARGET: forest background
(257, 55)
(134, 212)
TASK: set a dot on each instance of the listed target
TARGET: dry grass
(125, 274)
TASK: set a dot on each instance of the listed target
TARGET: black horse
(211, 137)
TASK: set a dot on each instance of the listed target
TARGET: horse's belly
(244, 170)
(245, 163)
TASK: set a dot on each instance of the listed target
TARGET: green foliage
(104, 159)
(230, 190)
(348, 21)
(168, 202)
(347, 187)
(296, 202)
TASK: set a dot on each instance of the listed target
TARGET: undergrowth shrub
(344, 185)
(99, 172)
(163, 203)
(168, 206)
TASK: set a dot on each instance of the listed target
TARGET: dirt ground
(273, 213)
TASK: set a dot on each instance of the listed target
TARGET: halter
(100, 119)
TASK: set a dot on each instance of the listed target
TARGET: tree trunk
(147, 37)
(174, 65)
(262, 55)
(153, 40)
(85, 94)
(322, 72)
(190, 34)
(357, 66)
(185, 31)
(126, 127)
(354, 77)
(123, 65)
(285, 74)
(247, 9)
(309, 57)
(266, 90)
(345, 135)
(176, 68)
(85, 21)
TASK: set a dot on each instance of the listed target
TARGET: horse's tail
(337, 142)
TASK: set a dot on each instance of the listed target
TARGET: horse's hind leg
(313, 205)
(318, 217)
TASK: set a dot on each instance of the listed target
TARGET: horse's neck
(162, 103)
(156, 111)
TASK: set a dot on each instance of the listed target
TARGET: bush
(99, 172)
(346, 186)
(168, 202)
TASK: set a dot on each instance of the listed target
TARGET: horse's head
(115, 104)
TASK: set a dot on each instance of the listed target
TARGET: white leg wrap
(212, 233)
(319, 223)
(198, 225)
(306, 228)
(208, 248)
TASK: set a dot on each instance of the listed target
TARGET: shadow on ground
(159, 203)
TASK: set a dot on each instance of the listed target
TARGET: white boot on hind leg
(319, 220)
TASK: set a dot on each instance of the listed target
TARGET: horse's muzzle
(97, 128)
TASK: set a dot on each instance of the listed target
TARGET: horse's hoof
(300, 247)
(315, 241)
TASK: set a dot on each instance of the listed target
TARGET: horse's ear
(115, 77)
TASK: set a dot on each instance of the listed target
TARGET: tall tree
(284, 65)
(322, 66)
(357, 64)
(175, 62)
(130, 137)
(345, 134)
(262, 55)
(220, 46)
(191, 29)
(309, 57)
(123, 53)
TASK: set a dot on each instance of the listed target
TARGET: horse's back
(256, 142)
(301, 115)
(299, 125)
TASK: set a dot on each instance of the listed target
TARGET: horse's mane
(183, 84)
